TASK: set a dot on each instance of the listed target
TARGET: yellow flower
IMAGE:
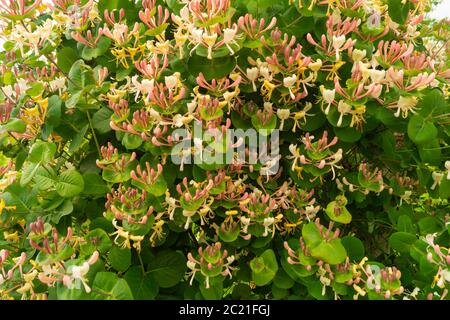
(267, 89)
(121, 56)
(358, 116)
(11, 237)
(334, 70)
(4, 206)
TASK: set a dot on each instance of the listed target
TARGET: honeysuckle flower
(58, 84)
(301, 116)
(343, 109)
(377, 76)
(196, 37)
(172, 81)
(447, 166)
(229, 38)
(120, 33)
(338, 42)
(127, 237)
(289, 82)
(405, 105)
(358, 116)
(252, 75)
(327, 97)
(283, 114)
(437, 179)
(358, 55)
(180, 40)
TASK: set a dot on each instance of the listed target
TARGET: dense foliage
(93, 207)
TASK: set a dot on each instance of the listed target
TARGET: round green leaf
(143, 287)
(420, 130)
(120, 258)
(168, 268)
(402, 241)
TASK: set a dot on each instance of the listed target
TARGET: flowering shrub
(108, 192)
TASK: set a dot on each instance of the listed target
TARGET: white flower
(252, 75)
(343, 109)
(58, 84)
(171, 81)
(210, 40)
(328, 97)
(405, 105)
(267, 223)
(191, 265)
(437, 178)
(377, 75)
(447, 166)
(429, 238)
(289, 82)
(229, 38)
(144, 87)
(79, 273)
(358, 55)
(338, 42)
(8, 91)
(283, 114)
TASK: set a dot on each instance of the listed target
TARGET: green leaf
(78, 139)
(20, 197)
(211, 68)
(398, 11)
(215, 290)
(332, 252)
(168, 268)
(101, 120)
(29, 173)
(354, 247)
(35, 89)
(89, 53)
(64, 209)
(131, 141)
(108, 286)
(42, 152)
(157, 189)
(65, 58)
(433, 103)
(54, 111)
(264, 268)
(70, 183)
(312, 235)
(45, 178)
(120, 258)
(15, 125)
(431, 152)
(283, 280)
(96, 239)
(429, 225)
(402, 241)
(80, 76)
(143, 287)
(420, 130)
(404, 224)
(344, 215)
(444, 189)
(94, 184)
(348, 134)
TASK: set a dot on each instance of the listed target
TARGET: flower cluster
(263, 150)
